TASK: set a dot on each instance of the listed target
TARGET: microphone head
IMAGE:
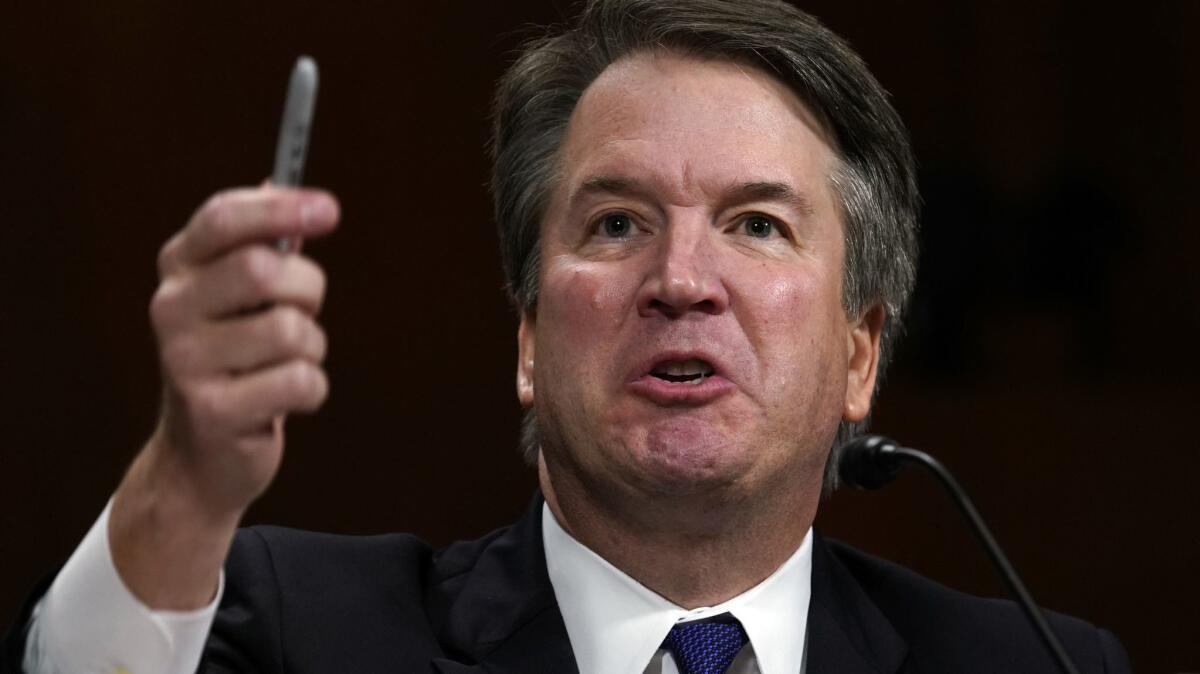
(868, 462)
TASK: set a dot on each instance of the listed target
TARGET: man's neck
(693, 550)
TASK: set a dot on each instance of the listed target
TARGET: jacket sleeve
(246, 635)
(14, 640)
(1116, 660)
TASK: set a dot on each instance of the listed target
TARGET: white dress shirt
(90, 622)
(616, 625)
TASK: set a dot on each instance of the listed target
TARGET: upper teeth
(685, 368)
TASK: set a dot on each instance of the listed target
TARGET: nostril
(661, 306)
(668, 309)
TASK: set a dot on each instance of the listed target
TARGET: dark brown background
(1051, 362)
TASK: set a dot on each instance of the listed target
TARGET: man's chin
(686, 459)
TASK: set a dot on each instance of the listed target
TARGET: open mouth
(691, 371)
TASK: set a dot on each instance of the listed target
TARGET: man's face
(689, 334)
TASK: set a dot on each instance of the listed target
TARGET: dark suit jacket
(302, 602)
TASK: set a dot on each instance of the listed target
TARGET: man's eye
(758, 226)
(616, 225)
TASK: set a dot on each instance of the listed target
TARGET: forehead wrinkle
(615, 170)
(656, 189)
(689, 182)
(605, 184)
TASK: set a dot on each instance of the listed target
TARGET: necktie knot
(705, 647)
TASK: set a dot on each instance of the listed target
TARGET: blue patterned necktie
(705, 647)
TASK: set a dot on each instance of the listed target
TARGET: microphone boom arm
(873, 461)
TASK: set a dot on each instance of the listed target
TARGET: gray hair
(875, 178)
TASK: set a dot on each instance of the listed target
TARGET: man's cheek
(586, 299)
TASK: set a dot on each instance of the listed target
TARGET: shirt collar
(616, 624)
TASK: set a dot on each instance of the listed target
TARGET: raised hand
(240, 348)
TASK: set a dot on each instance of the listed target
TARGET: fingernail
(318, 210)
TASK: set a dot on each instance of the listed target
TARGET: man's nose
(684, 276)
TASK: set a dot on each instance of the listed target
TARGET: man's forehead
(705, 125)
(631, 91)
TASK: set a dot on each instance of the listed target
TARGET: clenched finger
(247, 343)
(244, 280)
(236, 217)
(244, 404)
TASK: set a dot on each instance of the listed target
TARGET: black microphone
(872, 461)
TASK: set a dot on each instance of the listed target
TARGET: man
(707, 214)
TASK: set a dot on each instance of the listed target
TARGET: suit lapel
(504, 617)
(846, 631)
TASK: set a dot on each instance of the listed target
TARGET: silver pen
(294, 129)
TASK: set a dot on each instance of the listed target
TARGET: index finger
(236, 217)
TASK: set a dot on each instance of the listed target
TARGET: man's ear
(863, 362)
(525, 342)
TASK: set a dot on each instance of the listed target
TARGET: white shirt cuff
(90, 622)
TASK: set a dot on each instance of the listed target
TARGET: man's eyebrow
(757, 190)
(769, 191)
(606, 184)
